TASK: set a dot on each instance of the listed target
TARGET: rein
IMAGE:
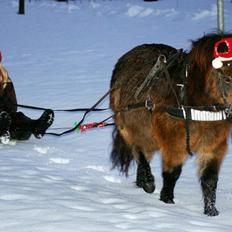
(84, 116)
(61, 110)
(79, 124)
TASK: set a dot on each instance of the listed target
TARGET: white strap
(199, 115)
(184, 112)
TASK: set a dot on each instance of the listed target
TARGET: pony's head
(211, 60)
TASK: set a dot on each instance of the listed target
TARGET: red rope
(85, 127)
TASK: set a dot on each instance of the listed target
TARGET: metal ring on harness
(149, 105)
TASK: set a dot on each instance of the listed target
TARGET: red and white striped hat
(222, 52)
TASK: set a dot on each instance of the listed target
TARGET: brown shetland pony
(140, 132)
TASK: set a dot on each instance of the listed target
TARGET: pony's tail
(121, 155)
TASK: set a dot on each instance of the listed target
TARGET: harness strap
(166, 72)
(83, 118)
(148, 104)
(198, 115)
(152, 75)
(187, 129)
(61, 110)
(208, 113)
(161, 66)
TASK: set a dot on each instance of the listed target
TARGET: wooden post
(21, 7)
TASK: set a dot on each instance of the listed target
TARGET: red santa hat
(222, 52)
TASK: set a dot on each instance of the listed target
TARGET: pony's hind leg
(169, 181)
(145, 179)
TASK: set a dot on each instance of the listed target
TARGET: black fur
(145, 179)
(121, 155)
(209, 181)
(169, 181)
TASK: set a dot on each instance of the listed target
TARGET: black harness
(212, 113)
(204, 114)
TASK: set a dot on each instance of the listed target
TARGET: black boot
(5, 121)
(43, 123)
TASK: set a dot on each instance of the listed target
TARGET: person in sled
(13, 124)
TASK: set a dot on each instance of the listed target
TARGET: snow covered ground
(61, 56)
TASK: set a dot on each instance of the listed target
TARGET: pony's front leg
(209, 179)
(170, 176)
(145, 179)
(209, 166)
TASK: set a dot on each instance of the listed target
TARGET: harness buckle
(149, 105)
(228, 112)
(162, 59)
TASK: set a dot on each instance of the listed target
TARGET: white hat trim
(217, 62)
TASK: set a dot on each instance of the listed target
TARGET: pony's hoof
(168, 201)
(149, 187)
(166, 197)
(211, 211)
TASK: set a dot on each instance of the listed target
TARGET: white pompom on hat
(217, 63)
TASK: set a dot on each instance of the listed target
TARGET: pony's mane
(201, 54)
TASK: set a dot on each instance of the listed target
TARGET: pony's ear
(217, 63)
(0, 57)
